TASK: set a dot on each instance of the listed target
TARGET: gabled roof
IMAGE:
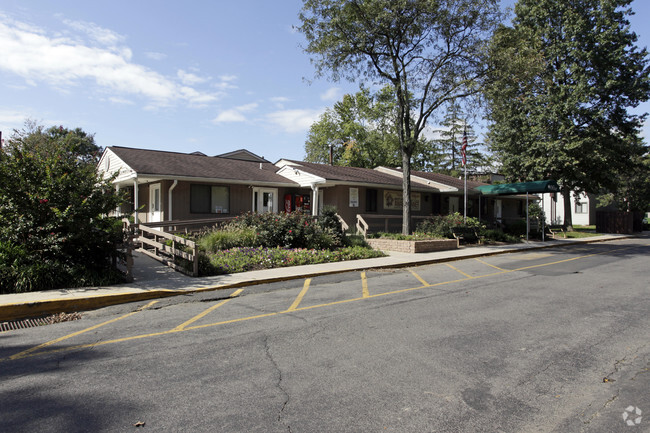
(243, 155)
(343, 175)
(169, 165)
(447, 180)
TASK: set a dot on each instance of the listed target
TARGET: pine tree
(563, 79)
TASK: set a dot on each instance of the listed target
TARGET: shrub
(54, 205)
(227, 237)
(441, 226)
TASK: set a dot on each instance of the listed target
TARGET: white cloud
(189, 78)
(155, 56)
(94, 55)
(235, 114)
(292, 121)
(331, 94)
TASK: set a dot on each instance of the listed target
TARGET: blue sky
(209, 76)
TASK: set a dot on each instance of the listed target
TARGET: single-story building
(171, 186)
(583, 208)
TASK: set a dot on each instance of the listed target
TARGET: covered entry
(535, 187)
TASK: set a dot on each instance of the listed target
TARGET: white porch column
(171, 188)
(314, 202)
(135, 201)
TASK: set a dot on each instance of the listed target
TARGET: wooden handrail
(147, 240)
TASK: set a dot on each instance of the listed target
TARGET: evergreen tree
(563, 78)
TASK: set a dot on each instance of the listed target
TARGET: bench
(466, 234)
(556, 231)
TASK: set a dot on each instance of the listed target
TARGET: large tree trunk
(568, 215)
(406, 193)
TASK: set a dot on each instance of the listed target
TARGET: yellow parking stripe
(30, 352)
(420, 279)
(486, 263)
(74, 334)
(302, 293)
(458, 270)
(364, 285)
(206, 312)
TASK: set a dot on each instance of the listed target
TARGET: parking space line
(458, 270)
(74, 334)
(364, 285)
(30, 352)
(419, 278)
(207, 311)
(302, 293)
(488, 264)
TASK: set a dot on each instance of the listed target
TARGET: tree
(54, 228)
(563, 78)
(361, 130)
(429, 52)
(455, 126)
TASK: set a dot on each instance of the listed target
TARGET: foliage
(455, 124)
(563, 78)
(248, 259)
(400, 237)
(54, 228)
(429, 52)
(495, 235)
(441, 226)
(227, 237)
(361, 130)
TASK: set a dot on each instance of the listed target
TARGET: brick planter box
(413, 246)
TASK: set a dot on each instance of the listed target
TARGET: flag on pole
(463, 149)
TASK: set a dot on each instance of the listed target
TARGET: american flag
(463, 149)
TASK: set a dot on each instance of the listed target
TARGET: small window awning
(536, 187)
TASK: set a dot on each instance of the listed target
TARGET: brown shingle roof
(348, 174)
(447, 180)
(162, 163)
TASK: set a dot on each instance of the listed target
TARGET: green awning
(537, 187)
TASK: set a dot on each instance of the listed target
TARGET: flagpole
(464, 153)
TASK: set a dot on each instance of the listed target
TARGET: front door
(155, 207)
(498, 210)
(265, 200)
(453, 204)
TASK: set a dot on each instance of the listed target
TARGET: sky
(209, 76)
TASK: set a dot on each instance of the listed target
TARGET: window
(209, 199)
(371, 200)
(582, 208)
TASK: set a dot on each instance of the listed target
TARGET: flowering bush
(54, 229)
(248, 259)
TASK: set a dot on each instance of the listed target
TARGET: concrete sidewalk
(153, 280)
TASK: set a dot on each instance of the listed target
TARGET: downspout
(171, 188)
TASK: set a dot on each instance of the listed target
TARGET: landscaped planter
(424, 246)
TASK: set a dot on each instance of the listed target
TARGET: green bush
(227, 237)
(54, 206)
(441, 226)
(294, 230)
(516, 227)
(248, 259)
(495, 235)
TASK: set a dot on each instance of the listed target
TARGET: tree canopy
(361, 130)
(563, 78)
(429, 52)
(54, 226)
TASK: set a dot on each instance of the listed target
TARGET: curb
(18, 311)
